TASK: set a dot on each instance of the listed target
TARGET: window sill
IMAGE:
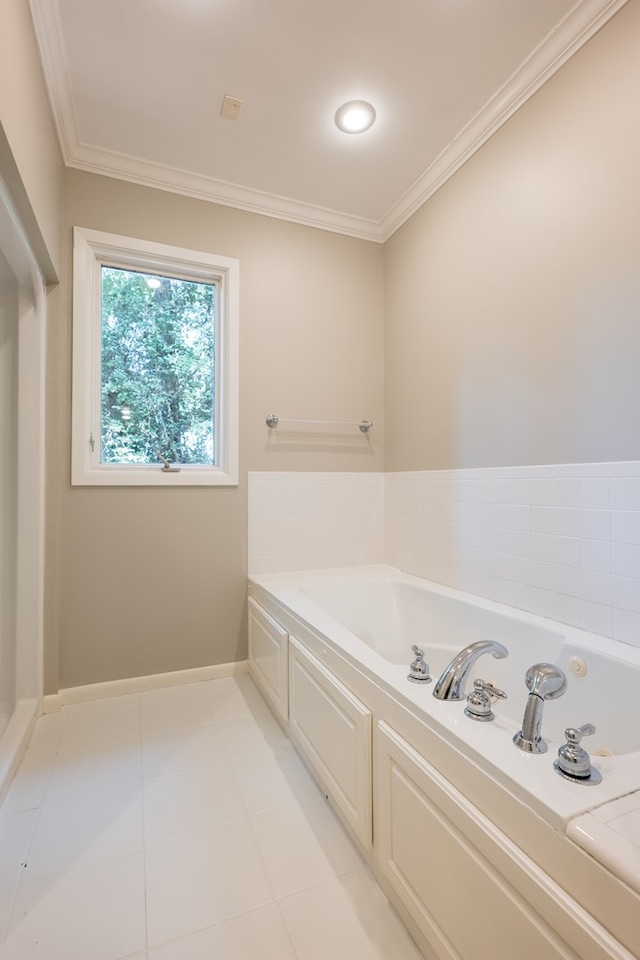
(152, 476)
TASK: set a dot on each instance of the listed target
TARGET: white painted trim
(46, 24)
(90, 249)
(15, 739)
(29, 503)
(200, 187)
(155, 681)
(52, 703)
(580, 24)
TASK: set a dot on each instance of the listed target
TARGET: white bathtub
(371, 616)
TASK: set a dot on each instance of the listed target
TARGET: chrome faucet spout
(452, 682)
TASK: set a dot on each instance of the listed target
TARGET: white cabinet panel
(268, 657)
(333, 729)
(432, 847)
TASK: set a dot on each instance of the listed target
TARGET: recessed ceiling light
(356, 116)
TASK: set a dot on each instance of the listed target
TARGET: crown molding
(200, 187)
(53, 56)
(577, 27)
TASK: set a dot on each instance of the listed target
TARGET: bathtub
(371, 617)
(453, 819)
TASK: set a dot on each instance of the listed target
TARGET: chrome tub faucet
(452, 683)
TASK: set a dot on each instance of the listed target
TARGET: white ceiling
(137, 87)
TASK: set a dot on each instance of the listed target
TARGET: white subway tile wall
(558, 540)
(307, 521)
(562, 541)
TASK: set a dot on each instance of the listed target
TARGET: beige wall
(512, 298)
(511, 336)
(154, 580)
(30, 160)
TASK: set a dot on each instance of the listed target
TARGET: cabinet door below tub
(268, 656)
(333, 729)
(462, 886)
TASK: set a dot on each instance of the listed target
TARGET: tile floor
(179, 824)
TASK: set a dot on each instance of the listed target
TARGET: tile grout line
(228, 762)
(23, 867)
(275, 900)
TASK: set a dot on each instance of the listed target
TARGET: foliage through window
(158, 369)
(155, 363)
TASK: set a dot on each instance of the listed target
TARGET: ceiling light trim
(584, 20)
(355, 116)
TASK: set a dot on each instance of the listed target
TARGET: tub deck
(372, 615)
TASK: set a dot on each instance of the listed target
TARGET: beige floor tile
(201, 879)
(30, 784)
(86, 829)
(47, 734)
(247, 735)
(95, 771)
(345, 918)
(231, 821)
(179, 750)
(16, 835)
(94, 911)
(256, 935)
(100, 723)
(173, 708)
(190, 801)
(302, 847)
(231, 697)
(272, 779)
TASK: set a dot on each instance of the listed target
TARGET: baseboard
(51, 703)
(117, 688)
(15, 739)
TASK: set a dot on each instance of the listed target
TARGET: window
(155, 364)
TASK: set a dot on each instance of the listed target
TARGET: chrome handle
(419, 668)
(573, 762)
(489, 688)
(479, 700)
(575, 734)
(166, 466)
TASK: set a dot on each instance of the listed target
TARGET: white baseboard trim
(117, 688)
(15, 739)
(51, 703)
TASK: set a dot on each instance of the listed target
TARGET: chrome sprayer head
(546, 680)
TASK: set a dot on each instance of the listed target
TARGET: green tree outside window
(157, 369)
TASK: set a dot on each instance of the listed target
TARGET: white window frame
(92, 248)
